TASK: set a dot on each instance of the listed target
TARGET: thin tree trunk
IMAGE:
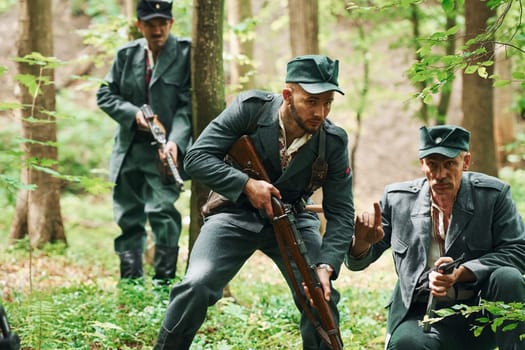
(241, 47)
(478, 94)
(304, 27)
(504, 117)
(38, 211)
(446, 91)
(207, 85)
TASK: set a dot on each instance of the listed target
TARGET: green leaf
(10, 106)
(448, 6)
(471, 69)
(500, 83)
(452, 30)
(482, 72)
(428, 99)
(3, 69)
(29, 81)
(518, 75)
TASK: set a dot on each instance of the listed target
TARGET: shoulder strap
(319, 167)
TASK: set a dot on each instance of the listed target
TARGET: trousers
(218, 254)
(454, 333)
(139, 197)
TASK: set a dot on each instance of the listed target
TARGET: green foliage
(85, 138)
(182, 15)
(6, 5)
(106, 36)
(504, 316)
(96, 9)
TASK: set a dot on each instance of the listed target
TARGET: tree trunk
(414, 19)
(446, 90)
(304, 27)
(38, 210)
(504, 117)
(241, 47)
(478, 94)
(207, 84)
(130, 8)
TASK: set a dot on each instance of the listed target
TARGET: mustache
(442, 182)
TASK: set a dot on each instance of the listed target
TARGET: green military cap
(314, 73)
(447, 140)
(148, 9)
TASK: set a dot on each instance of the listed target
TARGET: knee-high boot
(131, 264)
(169, 341)
(165, 262)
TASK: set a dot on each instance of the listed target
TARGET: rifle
(445, 269)
(291, 244)
(160, 140)
(8, 340)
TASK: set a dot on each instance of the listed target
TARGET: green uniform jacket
(256, 113)
(485, 225)
(169, 94)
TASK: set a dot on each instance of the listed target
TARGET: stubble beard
(297, 119)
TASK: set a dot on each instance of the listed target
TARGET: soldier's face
(309, 111)
(444, 174)
(156, 32)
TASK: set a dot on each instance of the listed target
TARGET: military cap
(314, 73)
(147, 9)
(447, 140)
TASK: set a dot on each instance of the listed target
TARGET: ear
(466, 161)
(287, 93)
(138, 24)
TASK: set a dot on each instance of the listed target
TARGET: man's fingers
(377, 214)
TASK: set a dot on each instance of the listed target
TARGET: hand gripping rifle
(291, 244)
(445, 269)
(160, 140)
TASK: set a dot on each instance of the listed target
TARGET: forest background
(65, 295)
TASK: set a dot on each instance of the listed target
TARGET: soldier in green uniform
(434, 220)
(153, 70)
(287, 130)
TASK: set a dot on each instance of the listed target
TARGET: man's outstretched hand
(368, 230)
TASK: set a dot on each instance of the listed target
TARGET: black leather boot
(168, 341)
(165, 262)
(131, 264)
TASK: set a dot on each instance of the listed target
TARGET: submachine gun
(445, 269)
(160, 139)
(8, 340)
(291, 244)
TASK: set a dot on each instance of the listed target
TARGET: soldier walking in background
(153, 70)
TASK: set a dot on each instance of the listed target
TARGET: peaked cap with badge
(148, 9)
(447, 140)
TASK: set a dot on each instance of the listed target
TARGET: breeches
(219, 252)
(505, 284)
(140, 196)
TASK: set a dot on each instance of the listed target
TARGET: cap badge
(157, 6)
(438, 140)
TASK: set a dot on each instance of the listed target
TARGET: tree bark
(505, 119)
(478, 94)
(38, 210)
(241, 47)
(304, 27)
(207, 84)
(446, 90)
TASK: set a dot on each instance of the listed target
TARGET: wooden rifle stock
(160, 139)
(291, 244)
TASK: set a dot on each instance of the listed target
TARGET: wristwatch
(326, 267)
